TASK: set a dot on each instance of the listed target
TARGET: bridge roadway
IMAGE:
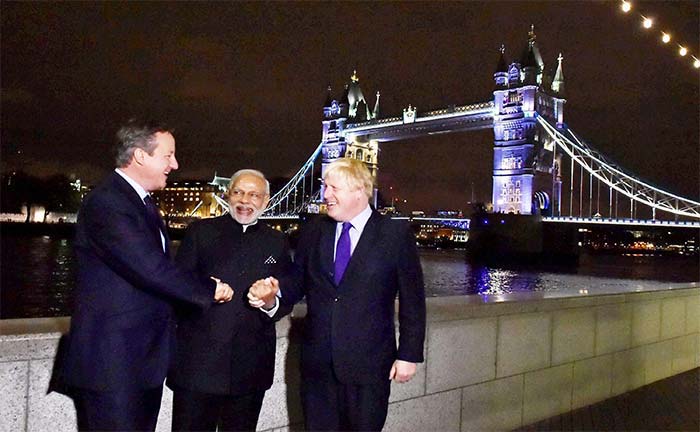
(626, 222)
(548, 219)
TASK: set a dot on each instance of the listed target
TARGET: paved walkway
(672, 404)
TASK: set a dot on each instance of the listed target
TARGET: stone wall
(491, 364)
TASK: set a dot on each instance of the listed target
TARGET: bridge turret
(331, 108)
(375, 111)
(559, 97)
(558, 83)
(531, 73)
(362, 112)
(356, 101)
(532, 58)
(501, 74)
(344, 102)
(352, 108)
(329, 98)
(334, 117)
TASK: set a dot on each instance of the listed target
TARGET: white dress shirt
(358, 225)
(142, 194)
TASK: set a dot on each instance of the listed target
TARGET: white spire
(558, 82)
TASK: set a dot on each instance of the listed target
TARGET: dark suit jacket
(230, 349)
(351, 326)
(122, 329)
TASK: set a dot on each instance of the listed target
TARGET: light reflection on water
(38, 275)
(447, 272)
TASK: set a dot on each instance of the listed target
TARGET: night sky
(243, 84)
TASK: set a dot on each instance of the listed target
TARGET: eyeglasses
(252, 195)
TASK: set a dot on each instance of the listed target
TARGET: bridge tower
(351, 108)
(526, 168)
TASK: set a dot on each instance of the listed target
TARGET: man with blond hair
(352, 264)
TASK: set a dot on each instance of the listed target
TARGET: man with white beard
(226, 356)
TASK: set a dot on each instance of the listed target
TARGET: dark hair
(137, 134)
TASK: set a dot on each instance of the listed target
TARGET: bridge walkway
(672, 404)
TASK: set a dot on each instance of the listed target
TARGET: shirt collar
(244, 227)
(359, 221)
(137, 187)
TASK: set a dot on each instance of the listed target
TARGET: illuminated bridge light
(682, 50)
(665, 38)
(696, 63)
(647, 23)
(626, 6)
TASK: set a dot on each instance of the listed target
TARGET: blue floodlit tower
(351, 108)
(526, 167)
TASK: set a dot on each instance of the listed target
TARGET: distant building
(450, 213)
(189, 199)
(459, 236)
(433, 233)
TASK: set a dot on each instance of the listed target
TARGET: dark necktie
(154, 220)
(342, 253)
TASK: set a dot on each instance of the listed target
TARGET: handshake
(261, 294)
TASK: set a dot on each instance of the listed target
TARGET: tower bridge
(540, 165)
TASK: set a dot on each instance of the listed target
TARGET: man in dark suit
(226, 356)
(122, 331)
(353, 264)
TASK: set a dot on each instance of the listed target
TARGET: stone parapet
(492, 363)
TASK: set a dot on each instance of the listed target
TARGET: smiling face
(247, 198)
(343, 201)
(155, 167)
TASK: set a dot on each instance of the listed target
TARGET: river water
(38, 275)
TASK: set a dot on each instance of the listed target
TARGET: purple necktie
(342, 253)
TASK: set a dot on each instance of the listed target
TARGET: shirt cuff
(272, 311)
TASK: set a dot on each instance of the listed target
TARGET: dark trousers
(330, 405)
(194, 411)
(133, 410)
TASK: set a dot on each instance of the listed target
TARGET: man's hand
(402, 371)
(224, 293)
(263, 292)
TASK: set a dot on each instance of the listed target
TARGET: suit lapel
(368, 241)
(327, 248)
(133, 197)
(129, 193)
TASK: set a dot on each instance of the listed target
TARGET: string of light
(665, 36)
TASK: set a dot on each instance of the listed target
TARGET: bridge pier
(521, 238)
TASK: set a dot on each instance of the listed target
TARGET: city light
(648, 23)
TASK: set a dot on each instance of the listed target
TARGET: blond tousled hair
(353, 172)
